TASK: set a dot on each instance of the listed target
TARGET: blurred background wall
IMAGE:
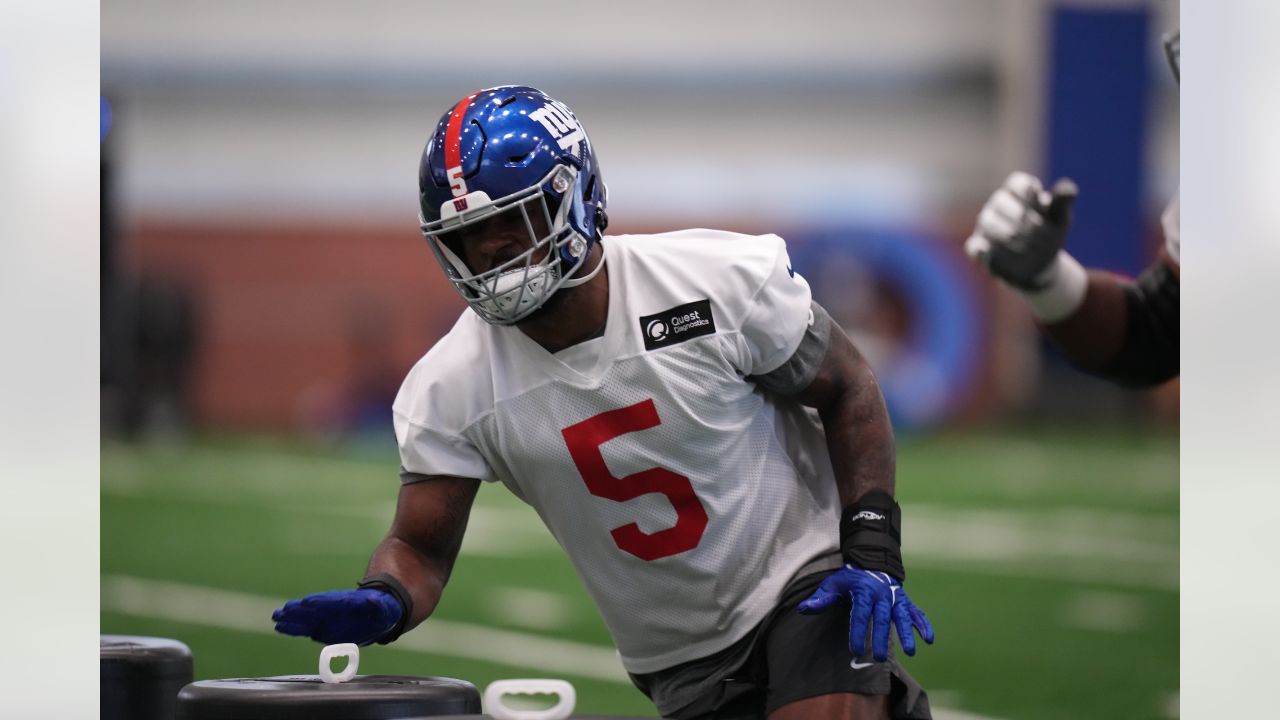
(262, 268)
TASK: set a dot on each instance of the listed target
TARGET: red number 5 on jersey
(584, 440)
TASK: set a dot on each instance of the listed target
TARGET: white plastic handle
(493, 703)
(351, 651)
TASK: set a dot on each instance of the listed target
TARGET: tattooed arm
(422, 545)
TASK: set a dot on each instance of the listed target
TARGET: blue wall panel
(1097, 128)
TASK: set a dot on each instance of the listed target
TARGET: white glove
(1021, 229)
(1019, 238)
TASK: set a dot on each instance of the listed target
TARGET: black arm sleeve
(796, 373)
(1150, 354)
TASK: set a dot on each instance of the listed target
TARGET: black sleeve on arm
(799, 370)
(388, 584)
(408, 476)
(1150, 353)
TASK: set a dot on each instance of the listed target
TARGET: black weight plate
(140, 677)
(306, 697)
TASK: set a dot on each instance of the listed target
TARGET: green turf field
(1048, 562)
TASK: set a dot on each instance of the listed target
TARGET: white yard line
(948, 714)
(243, 612)
(1070, 544)
(526, 607)
(1102, 611)
(1118, 549)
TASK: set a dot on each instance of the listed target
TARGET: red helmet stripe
(453, 133)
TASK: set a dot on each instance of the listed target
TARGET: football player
(1122, 330)
(707, 446)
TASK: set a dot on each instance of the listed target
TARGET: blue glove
(874, 595)
(358, 616)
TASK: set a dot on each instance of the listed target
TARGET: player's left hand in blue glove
(871, 543)
(340, 616)
(874, 596)
(374, 612)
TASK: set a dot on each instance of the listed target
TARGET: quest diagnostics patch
(680, 323)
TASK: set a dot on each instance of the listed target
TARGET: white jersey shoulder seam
(435, 430)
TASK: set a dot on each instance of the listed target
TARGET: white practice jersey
(686, 497)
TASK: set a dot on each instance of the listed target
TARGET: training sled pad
(140, 677)
(307, 697)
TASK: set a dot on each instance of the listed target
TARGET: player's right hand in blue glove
(871, 579)
(361, 616)
(877, 601)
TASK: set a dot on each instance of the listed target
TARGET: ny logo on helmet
(460, 204)
(559, 121)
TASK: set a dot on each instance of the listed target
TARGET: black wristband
(871, 534)
(388, 584)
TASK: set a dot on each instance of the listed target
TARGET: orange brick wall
(289, 312)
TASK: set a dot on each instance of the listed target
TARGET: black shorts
(787, 657)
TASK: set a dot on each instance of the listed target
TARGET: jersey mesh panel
(716, 429)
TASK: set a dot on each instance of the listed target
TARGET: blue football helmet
(512, 149)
